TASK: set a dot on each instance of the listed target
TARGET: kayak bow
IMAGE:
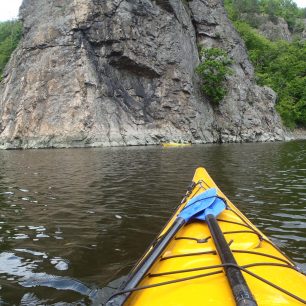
(195, 260)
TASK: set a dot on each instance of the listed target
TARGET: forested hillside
(10, 34)
(279, 64)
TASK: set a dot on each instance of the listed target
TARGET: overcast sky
(300, 3)
(9, 8)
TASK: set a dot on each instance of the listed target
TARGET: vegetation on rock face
(280, 65)
(10, 34)
(213, 70)
(250, 11)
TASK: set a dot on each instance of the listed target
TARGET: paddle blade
(198, 204)
(208, 196)
(215, 209)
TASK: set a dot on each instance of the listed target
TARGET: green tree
(213, 70)
(10, 34)
(282, 66)
(290, 12)
(248, 10)
(261, 50)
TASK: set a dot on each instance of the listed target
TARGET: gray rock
(303, 34)
(122, 72)
(275, 31)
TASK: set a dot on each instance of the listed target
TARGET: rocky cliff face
(274, 31)
(121, 72)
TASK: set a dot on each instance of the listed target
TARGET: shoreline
(297, 134)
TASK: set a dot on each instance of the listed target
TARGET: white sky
(9, 8)
(300, 3)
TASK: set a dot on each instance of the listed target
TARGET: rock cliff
(274, 31)
(122, 72)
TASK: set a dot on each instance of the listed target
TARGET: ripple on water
(289, 216)
(8, 193)
(21, 236)
(59, 263)
(35, 253)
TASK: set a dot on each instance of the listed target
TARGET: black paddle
(242, 293)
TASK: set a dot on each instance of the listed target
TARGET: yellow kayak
(175, 144)
(190, 270)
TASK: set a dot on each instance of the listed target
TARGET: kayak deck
(190, 272)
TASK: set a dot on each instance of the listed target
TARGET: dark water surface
(72, 220)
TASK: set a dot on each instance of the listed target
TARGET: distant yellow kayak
(185, 265)
(175, 144)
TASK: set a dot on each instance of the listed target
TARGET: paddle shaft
(144, 266)
(240, 289)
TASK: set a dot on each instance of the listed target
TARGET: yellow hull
(175, 144)
(192, 249)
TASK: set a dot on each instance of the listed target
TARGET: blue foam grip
(198, 204)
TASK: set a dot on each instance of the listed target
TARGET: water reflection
(72, 220)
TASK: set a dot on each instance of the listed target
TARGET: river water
(73, 220)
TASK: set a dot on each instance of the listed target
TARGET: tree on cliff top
(10, 34)
(249, 11)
